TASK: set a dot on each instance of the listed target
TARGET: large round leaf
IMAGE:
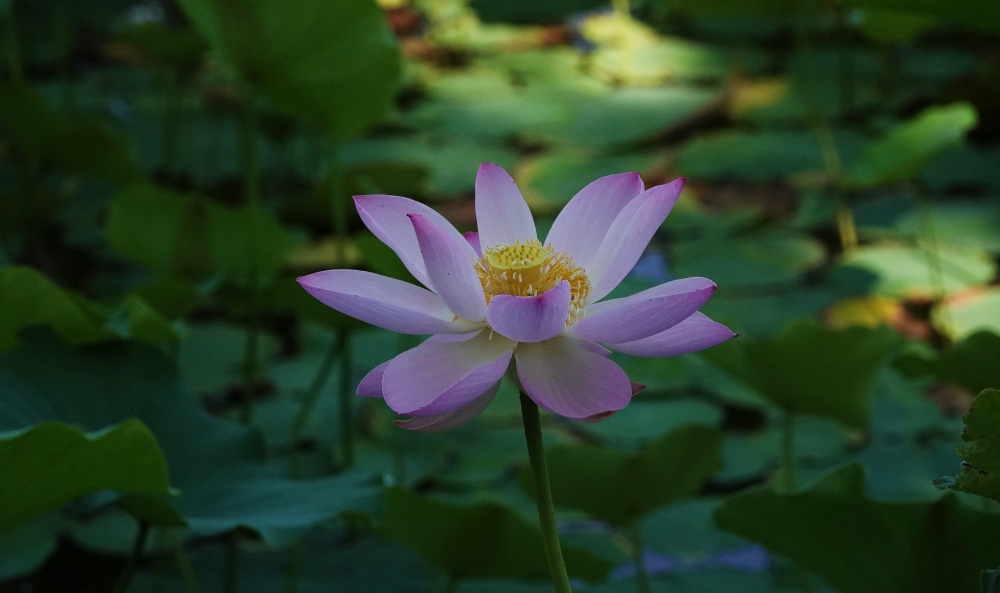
(334, 61)
(218, 468)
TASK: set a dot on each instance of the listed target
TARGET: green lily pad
(902, 153)
(764, 156)
(967, 222)
(621, 488)
(25, 547)
(982, 16)
(863, 546)
(189, 237)
(29, 299)
(763, 258)
(623, 116)
(905, 271)
(334, 61)
(484, 540)
(970, 363)
(53, 463)
(79, 146)
(808, 369)
(961, 318)
(232, 487)
(551, 180)
(980, 473)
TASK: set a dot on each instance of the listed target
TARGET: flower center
(528, 269)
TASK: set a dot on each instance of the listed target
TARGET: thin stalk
(340, 212)
(345, 395)
(828, 147)
(934, 268)
(621, 7)
(128, 571)
(12, 49)
(231, 565)
(251, 185)
(787, 484)
(188, 577)
(293, 568)
(845, 63)
(543, 495)
(172, 109)
(642, 582)
(309, 404)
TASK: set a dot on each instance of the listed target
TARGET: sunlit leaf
(980, 472)
(906, 270)
(621, 488)
(549, 181)
(903, 152)
(624, 115)
(476, 541)
(334, 61)
(962, 317)
(862, 546)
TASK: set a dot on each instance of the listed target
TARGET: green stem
(188, 577)
(642, 582)
(231, 565)
(12, 48)
(828, 147)
(935, 270)
(309, 404)
(292, 570)
(251, 185)
(787, 483)
(788, 452)
(543, 495)
(621, 7)
(345, 393)
(128, 571)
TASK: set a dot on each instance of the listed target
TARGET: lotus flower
(502, 296)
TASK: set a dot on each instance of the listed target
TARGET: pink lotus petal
(636, 388)
(386, 217)
(371, 385)
(452, 371)
(643, 314)
(628, 237)
(571, 381)
(453, 419)
(384, 302)
(530, 319)
(697, 332)
(502, 215)
(583, 222)
(450, 269)
(473, 239)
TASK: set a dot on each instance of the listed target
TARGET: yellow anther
(533, 269)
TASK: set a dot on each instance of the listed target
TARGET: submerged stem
(128, 571)
(638, 558)
(543, 495)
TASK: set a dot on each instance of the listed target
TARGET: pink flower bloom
(503, 296)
